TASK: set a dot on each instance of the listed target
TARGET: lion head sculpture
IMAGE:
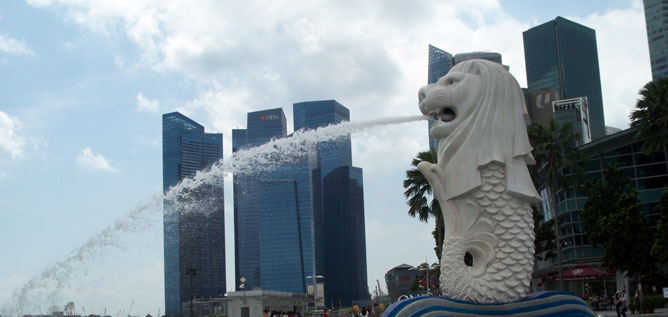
(480, 117)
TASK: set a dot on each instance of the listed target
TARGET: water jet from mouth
(43, 290)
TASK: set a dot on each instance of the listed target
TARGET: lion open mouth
(445, 115)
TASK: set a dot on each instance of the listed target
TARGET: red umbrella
(582, 271)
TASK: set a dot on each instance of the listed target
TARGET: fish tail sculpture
(482, 182)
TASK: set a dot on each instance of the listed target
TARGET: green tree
(650, 118)
(421, 203)
(614, 219)
(544, 241)
(556, 154)
(660, 245)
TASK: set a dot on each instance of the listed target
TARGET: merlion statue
(482, 182)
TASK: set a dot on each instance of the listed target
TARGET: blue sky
(83, 85)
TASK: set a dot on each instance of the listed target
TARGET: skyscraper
(440, 62)
(281, 218)
(344, 236)
(273, 215)
(338, 206)
(656, 21)
(194, 234)
(314, 114)
(562, 55)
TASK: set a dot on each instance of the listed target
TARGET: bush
(653, 302)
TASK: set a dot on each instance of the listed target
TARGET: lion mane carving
(482, 182)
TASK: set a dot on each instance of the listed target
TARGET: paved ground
(612, 313)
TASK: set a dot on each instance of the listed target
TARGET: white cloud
(39, 3)
(96, 162)
(149, 142)
(145, 104)
(70, 45)
(15, 47)
(119, 61)
(10, 141)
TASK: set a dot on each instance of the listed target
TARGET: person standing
(620, 303)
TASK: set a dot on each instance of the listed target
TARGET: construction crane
(380, 291)
(130, 309)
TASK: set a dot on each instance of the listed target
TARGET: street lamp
(192, 272)
(315, 290)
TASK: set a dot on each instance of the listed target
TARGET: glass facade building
(286, 235)
(562, 55)
(283, 212)
(314, 114)
(263, 126)
(656, 21)
(273, 213)
(194, 234)
(338, 206)
(344, 237)
(648, 175)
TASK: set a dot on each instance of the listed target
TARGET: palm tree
(651, 116)
(421, 203)
(556, 154)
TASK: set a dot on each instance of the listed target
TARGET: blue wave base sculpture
(547, 303)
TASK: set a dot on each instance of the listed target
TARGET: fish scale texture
(501, 241)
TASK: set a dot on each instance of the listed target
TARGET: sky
(83, 85)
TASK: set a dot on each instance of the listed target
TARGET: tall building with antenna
(194, 225)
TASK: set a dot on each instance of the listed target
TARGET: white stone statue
(481, 181)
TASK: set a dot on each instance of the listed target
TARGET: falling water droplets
(43, 290)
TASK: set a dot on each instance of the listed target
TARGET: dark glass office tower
(440, 62)
(656, 21)
(194, 227)
(286, 227)
(265, 125)
(562, 55)
(338, 206)
(344, 237)
(314, 114)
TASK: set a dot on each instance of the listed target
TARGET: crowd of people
(275, 313)
(368, 311)
(357, 311)
(619, 301)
